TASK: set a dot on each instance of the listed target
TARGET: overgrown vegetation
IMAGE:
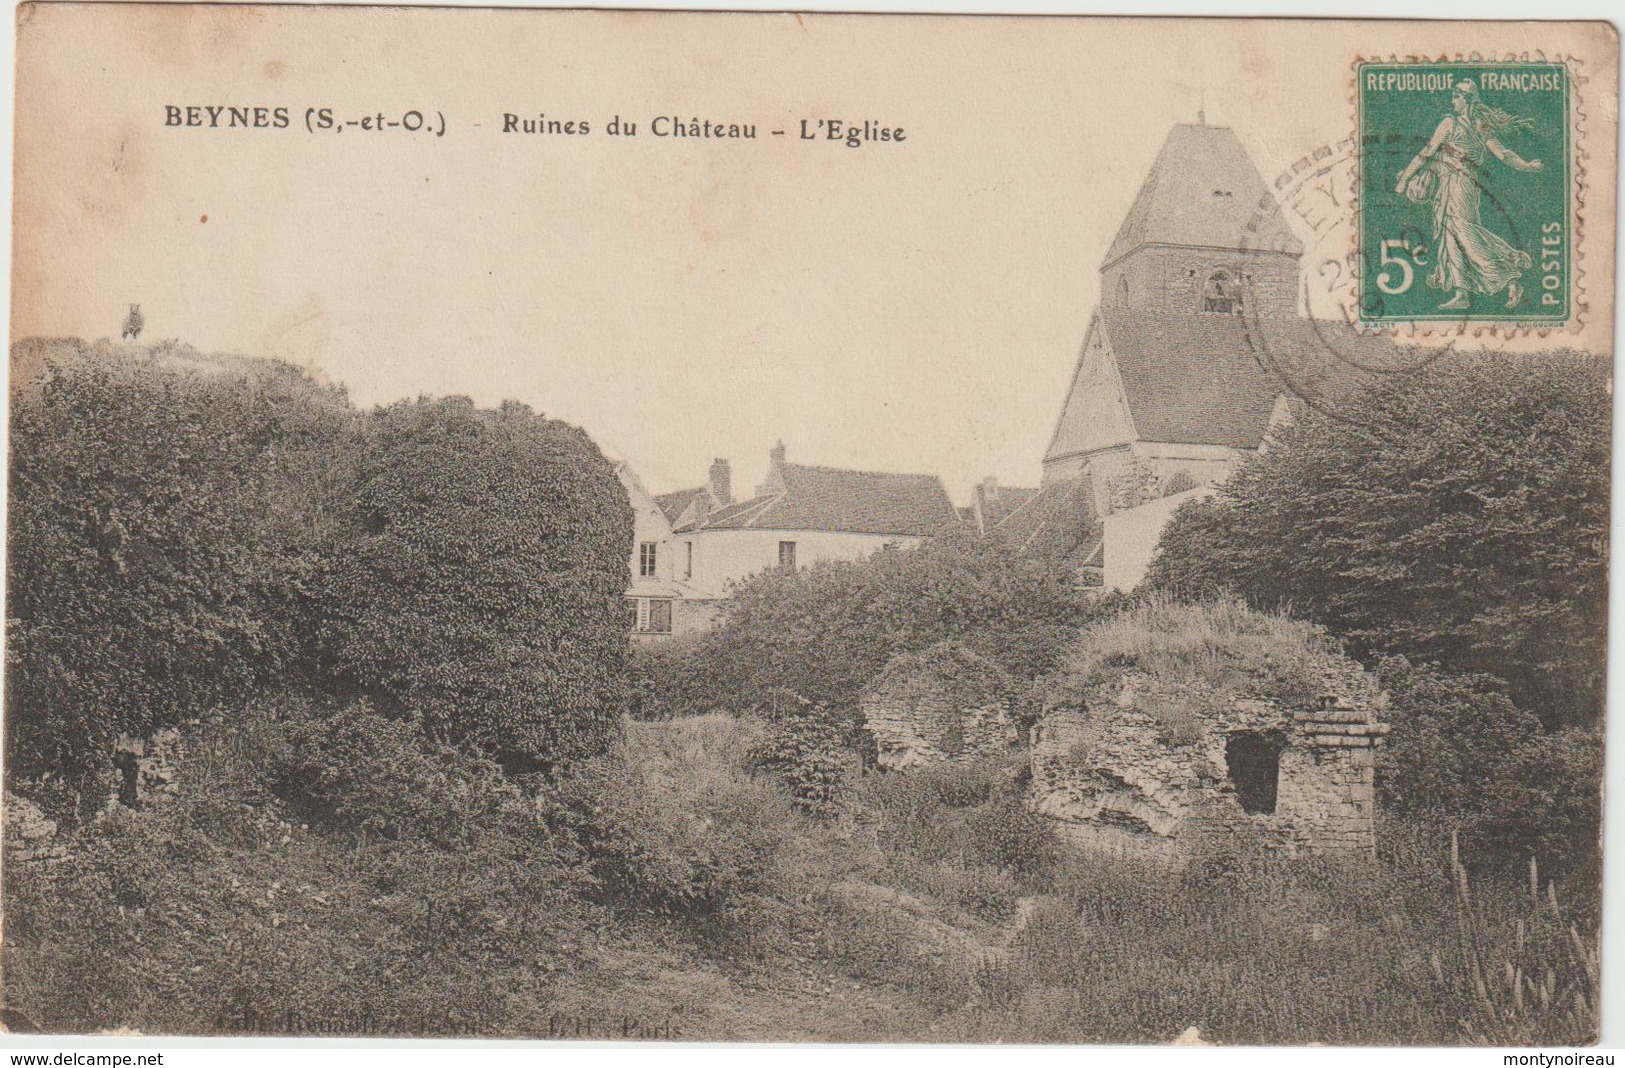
(1451, 527)
(668, 889)
(1456, 515)
(1221, 644)
(167, 524)
(825, 632)
(188, 531)
(479, 587)
(418, 762)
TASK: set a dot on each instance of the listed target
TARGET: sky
(914, 306)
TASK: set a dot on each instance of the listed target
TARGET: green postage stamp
(1464, 193)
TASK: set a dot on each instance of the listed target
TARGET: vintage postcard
(612, 525)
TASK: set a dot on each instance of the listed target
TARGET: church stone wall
(1173, 278)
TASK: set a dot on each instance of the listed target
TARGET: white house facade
(693, 547)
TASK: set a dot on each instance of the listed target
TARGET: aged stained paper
(846, 276)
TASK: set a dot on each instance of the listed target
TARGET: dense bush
(481, 587)
(672, 822)
(960, 830)
(167, 514)
(219, 911)
(1457, 514)
(1461, 755)
(350, 769)
(188, 530)
(810, 748)
(824, 632)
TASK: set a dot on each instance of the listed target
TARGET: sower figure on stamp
(1468, 258)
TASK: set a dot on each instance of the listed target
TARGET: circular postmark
(1326, 352)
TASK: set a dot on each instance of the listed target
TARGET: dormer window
(1221, 296)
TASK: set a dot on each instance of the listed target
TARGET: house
(1198, 347)
(693, 546)
(658, 605)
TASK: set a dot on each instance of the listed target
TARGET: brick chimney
(721, 482)
(775, 473)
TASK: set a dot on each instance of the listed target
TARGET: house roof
(1058, 521)
(1203, 190)
(833, 499)
(1200, 379)
(994, 502)
(674, 504)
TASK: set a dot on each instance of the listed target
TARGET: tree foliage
(166, 521)
(1457, 514)
(824, 632)
(482, 585)
(187, 531)
(1462, 755)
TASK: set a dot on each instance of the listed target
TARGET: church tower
(1196, 350)
(1205, 235)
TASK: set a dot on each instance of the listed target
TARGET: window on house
(1253, 760)
(688, 562)
(787, 555)
(659, 616)
(646, 559)
(1220, 295)
(631, 615)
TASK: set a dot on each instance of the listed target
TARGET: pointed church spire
(1203, 191)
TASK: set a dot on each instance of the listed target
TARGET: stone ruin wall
(1112, 776)
(1328, 778)
(911, 734)
(140, 772)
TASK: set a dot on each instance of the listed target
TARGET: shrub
(216, 911)
(823, 633)
(810, 749)
(167, 512)
(481, 586)
(960, 830)
(1457, 515)
(664, 680)
(1462, 755)
(1005, 836)
(352, 770)
(672, 822)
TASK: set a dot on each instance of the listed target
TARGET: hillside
(671, 891)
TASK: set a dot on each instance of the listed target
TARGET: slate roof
(1203, 190)
(1058, 520)
(674, 504)
(996, 502)
(1201, 379)
(833, 499)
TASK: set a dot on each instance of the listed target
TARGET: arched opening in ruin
(1253, 759)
